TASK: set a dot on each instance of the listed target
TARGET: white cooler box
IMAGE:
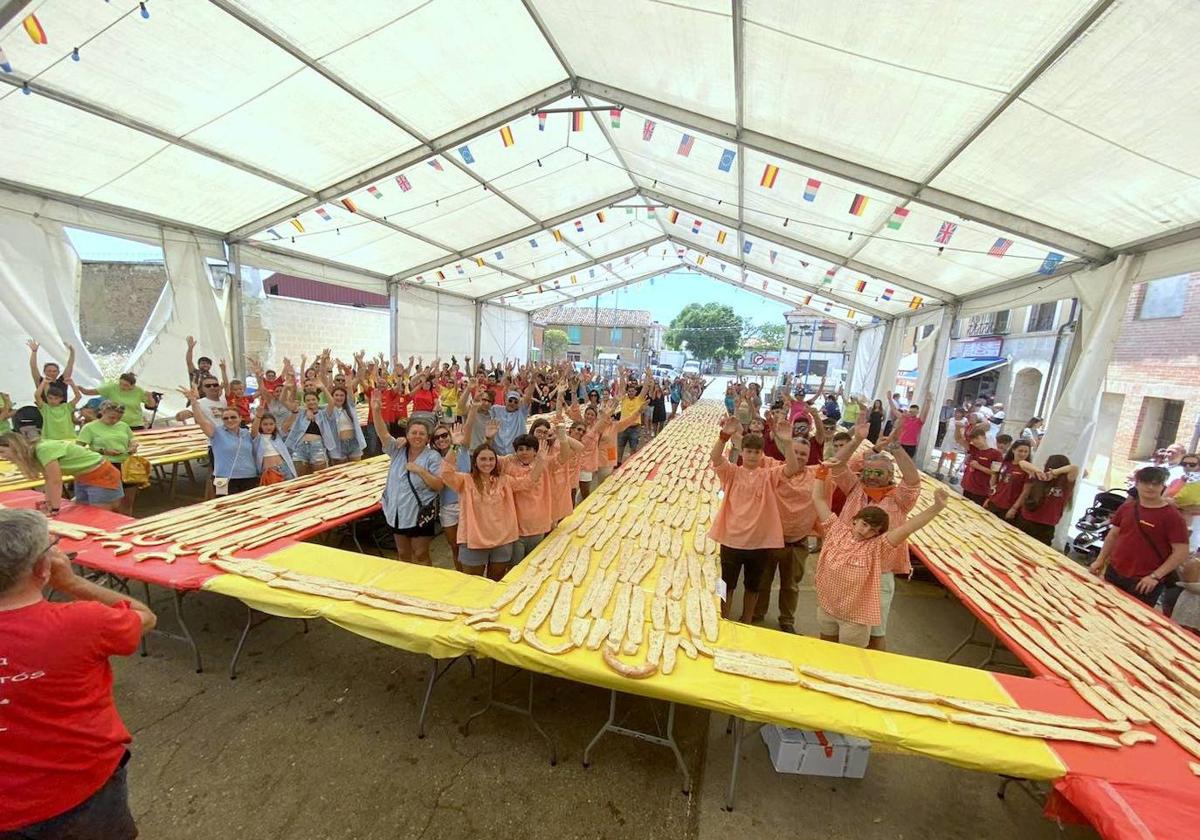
(816, 753)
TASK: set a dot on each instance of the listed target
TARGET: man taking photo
(62, 765)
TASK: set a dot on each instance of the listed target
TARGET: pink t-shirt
(487, 519)
(910, 430)
(796, 511)
(749, 514)
(534, 502)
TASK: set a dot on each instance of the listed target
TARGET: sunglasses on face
(873, 473)
(442, 436)
(212, 385)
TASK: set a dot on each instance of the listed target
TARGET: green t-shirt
(58, 421)
(850, 412)
(98, 435)
(131, 400)
(72, 458)
(5, 427)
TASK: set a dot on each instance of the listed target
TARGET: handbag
(429, 512)
(136, 471)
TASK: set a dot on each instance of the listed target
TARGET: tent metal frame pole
(788, 281)
(393, 319)
(478, 332)
(521, 233)
(852, 360)
(631, 281)
(735, 284)
(880, 375)
(236, 312)
(815, 251)
(858, 173)
(630, 249)
(936, 382)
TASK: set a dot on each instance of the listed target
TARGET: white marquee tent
(479, 159)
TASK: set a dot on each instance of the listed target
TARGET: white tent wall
(889, 360)
(503, 333)
(1103, 297)
(429, 324)
(865, 368)
(39, 283)
(187, 306)
(933, 356)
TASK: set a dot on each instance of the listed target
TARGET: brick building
(630, 334)
(1152, 394)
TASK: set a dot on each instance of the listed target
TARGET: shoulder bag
(428, 513)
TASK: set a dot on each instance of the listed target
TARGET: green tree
(554, 342)
(711, 330)
(770, 336)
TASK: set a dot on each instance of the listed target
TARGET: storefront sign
(982, 347)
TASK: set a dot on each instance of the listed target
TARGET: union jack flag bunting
(945, 232)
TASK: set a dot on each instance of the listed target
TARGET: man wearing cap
(511, 418)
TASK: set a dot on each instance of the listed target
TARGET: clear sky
(98, 246)
(672, 292)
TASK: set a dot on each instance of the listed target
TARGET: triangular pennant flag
(774, 255)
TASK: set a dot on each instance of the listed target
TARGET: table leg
(968, 640)
(436, 672)
(187, 633)
(731, 794)
(668, 741)
(174, 476)
(526, 711)
(237, 652)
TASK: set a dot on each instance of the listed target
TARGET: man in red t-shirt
(1147, 540)
(981, 462)
(62, 743)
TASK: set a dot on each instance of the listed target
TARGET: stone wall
(279, 326)
(115, 301)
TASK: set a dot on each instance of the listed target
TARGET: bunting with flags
(699, 259)
(458, 267)
(614, 118)
(600, 216)
(945, 232)
(916, 302)
(770, 173)
(298, 225)
(774, 255)
(441, 275)
(897, 218)
(673, 216)
(850, 313)
(887, 294)
(810, 189)
(721, 237)
(506, 136)
(541, 120)
(33, 28)
(579, 225)
(350, 205)
(695, 225)
(499, 255)
(467, 157)
(274, 233)
(726, 162)
(648, 129)
(685, 145)
(479, 261)
(324, 214)
(1000, 247)
(829, 275)
(651, 212)
(859, 205)
(557, 235)
(533, 243)
(5, 64)
(1050, 264)
(746, 246)
(435, 163)
(374, 191)
(403, 183)
(860, 286)
(577, 121)
(807, 300)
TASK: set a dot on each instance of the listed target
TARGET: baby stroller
(1092, 527)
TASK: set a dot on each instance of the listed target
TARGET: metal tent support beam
(936, 383)
(882, 375)
(858, 173)
(852, 359)
(235, 311)
(630, 249)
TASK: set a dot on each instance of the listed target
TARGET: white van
(691, 366)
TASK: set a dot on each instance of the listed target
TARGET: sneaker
(786, 628)
(954, 479)
(939, 476)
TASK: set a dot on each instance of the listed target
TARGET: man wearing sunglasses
(875, 485)
(62, 767)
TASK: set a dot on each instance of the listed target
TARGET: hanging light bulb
(785, 222)
(75, 54)
(851, 236)
(539, 163)
(25, 89)
(145, 12)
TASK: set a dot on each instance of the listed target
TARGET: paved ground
(317, 738)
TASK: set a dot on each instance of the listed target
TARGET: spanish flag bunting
(600, 217)
(897, 218)
(673, 216)
(298, 225)
(5, 65)
(721, 235)
(506, 136)
(858, 205)
(614, 117)
(860, 285)
(374, 190)
(324, 214)
(577, 121)
(349, 205)
(33, 28)
(557, 235)
(579, 225)
(916, 302)
(770, 173)
(479, 261)
(810, 189)
(274, 233)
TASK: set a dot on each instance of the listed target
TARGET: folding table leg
(187, 634)
(731, 794)
(237, 652)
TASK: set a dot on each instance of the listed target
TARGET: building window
(993, 323)
(828, 333)
(615, 335)
(1158, 426)
(575, 335)
(1041, 316)
(572, 356)
(812, 367)
(1163, 298)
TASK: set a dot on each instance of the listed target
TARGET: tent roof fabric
(932, 157)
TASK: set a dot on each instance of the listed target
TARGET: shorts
(90, 494)
(584, 475)
(847, 632)
(347, 448)
(449, 514)
(910, 448)
(475, 557)
(310, 452)
(887, 591)
(755, 562)
(416, 531)
(104, 815)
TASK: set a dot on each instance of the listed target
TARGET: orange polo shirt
(749, 514)
(533, 501)
(489, 519)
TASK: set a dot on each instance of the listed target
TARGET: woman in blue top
(449, 513)
(340, 429)
(235, 469)
(412, 483)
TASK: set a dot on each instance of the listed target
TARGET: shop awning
(965, 367)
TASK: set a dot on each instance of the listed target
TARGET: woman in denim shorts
(305, 440)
